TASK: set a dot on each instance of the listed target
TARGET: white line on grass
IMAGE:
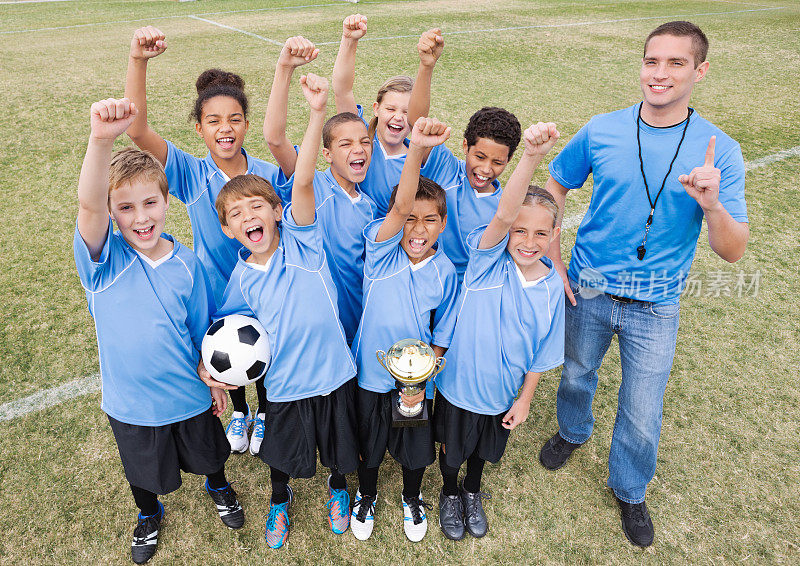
(261, 37)
(47, 398)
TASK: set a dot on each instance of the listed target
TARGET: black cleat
(636, 523)
(145, 536)
(556, 452)
(228, 507)
(451, 516)
(475, 519)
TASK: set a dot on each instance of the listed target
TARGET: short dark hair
(244, 186)
(683, 29)
(216, 82)
(497, 124)
(333, 122)
(427, 190)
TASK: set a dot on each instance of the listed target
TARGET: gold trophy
(412, 363)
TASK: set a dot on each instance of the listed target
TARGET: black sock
(261, 391)
(449, 476)
(279, 479)
(472, 481)
(338, 481)
(412, 482)
(367, 480)
(146, 501)
(217, 479)
(239, 400)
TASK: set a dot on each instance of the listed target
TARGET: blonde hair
(130, 164)
(536, 195)
(244, 186)
(400, 83)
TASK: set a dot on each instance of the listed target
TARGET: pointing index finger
(710, 151)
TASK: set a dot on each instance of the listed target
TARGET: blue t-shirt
(613, 227)
(506, 327)
(196, 183)
(294, 298)
(466, 208)
(150, 319)
(398, 300)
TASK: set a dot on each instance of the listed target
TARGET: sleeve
(95, 275)
(302, 245)
(360, 111)
(380, 258)
(442, 167)
(184, 174)
(549, 353)
(731, 187)
(201, 305)
(572, 166)
(233, 300)
(444, 318)
(485, 267)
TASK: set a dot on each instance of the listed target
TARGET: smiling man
(658, 169)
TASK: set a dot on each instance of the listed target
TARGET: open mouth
(481, 180)
(144, 233)
(226, 143)
(417, 245)
(358, 165)
(659, 88)
(527, 254)
(254, 234)
(395, 128)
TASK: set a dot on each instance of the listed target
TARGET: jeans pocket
(665, 310)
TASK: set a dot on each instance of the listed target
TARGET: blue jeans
(647, 334)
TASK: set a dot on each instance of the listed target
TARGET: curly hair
(496, 124)
(216, 82)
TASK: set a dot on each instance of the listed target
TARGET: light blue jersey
(466, 208)
(294, 298)
(150, 319)
(506, 328)
(604, 255)
(196, 183)
(398, 300)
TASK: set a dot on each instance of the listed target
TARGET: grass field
(728, 477)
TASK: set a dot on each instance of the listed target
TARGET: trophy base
(400, 420)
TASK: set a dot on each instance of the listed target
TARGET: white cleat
(362, 518)
(237, 430)
(415, 521)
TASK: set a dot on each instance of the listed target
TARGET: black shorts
(463, 432)
(153, 456)
(413, 447)
(295, 430)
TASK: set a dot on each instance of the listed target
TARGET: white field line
(261, 37)
(47, 398)
(33, 1)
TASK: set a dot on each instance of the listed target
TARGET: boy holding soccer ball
(164, 418)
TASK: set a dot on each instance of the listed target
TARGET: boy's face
(254, 223)
(223, 126)
(350, 151)
(486, 161)
(421, 230)
(530, 235)
(668, 74)
(140, 211)
(392, 115)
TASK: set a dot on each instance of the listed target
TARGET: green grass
(728, 473)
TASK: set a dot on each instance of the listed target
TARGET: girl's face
(392, 115)
(530, 235)
(223, 126)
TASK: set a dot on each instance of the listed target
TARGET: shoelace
(636, 513)
(238, 426)
(339, 496)
(274, 511)
(415, 505)
(366, 505)
(453, 505)
(144, 528)
(258, 428)
(476, 501)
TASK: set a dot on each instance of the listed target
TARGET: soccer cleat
(415, 521)
(451, 516)
(636, 523)
(258, 434)
(277, 530)
(237, 431)
(229, 509)
(362, 519)
(474, 516)
(338, 509)
(556, 452)
(145, 536)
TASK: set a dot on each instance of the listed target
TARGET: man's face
(668, 74)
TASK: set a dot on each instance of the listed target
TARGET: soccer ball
(236, 350)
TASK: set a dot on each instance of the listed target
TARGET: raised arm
(109, 118)
(296, 51)
(147, 42)
(315, 89)
(426, 134)
(344, 69)
(430, 47)
(559, 193)
(539, 139)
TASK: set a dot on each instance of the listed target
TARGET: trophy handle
(381, 355)
(440, 361)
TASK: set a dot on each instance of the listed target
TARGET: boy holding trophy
(410, 289)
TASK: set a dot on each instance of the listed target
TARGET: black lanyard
(641, 250)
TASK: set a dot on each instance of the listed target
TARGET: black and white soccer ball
(236, 350)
